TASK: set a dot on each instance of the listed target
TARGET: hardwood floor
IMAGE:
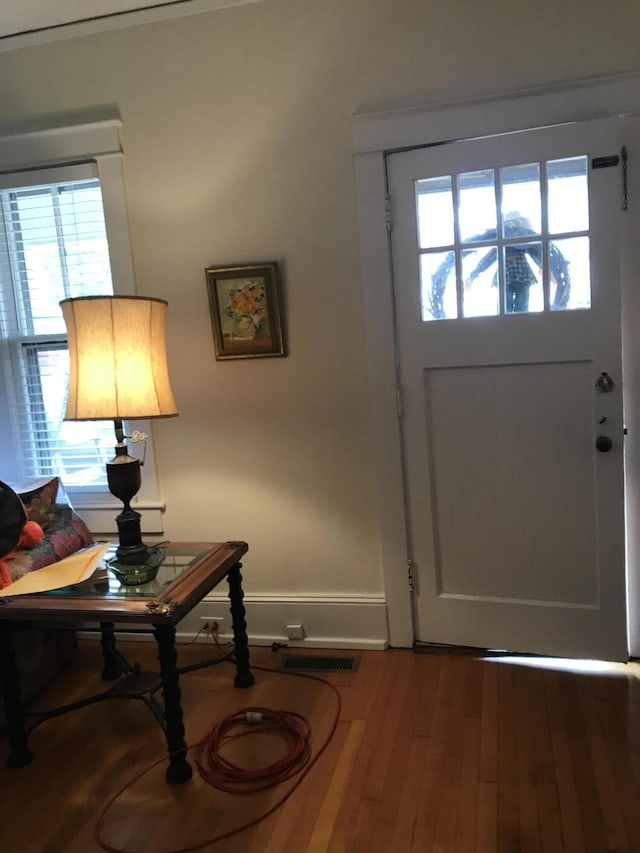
(432, 752)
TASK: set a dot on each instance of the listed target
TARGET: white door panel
(516, 519)
(500, 454)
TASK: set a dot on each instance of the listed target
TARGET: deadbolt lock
(604, 383)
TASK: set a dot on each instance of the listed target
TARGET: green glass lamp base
(139, 574)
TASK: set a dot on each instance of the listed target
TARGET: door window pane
(523, 291)
(520, 200)
(569, 273)
(435, 212)
(481, 294)
(568, 195)
(477, 205)
(438, 285)
(460, 243)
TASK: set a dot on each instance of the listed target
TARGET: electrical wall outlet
(214, 622)
(295, 632)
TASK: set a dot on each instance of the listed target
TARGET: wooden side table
(188, 572)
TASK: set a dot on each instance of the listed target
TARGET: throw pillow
(67, 533)
(39, 501)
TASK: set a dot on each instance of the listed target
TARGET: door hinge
(410, 568)
(387, 212)
(399, 401)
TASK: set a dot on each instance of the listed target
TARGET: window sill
(100, 516)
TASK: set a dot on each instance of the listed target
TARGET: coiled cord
(297, 762)
(224, 775)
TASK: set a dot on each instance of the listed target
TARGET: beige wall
(237, 142)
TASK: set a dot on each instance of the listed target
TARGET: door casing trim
(375, 137)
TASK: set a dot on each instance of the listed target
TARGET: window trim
(37, 151)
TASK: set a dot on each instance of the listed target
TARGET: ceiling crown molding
(31, 22)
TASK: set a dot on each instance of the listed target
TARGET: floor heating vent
(320, 663)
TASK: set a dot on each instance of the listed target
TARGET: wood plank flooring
(432, 752)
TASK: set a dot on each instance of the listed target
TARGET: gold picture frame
(245, 305)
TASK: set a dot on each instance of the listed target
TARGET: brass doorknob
(603, 443)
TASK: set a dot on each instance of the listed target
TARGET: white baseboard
(335, 622)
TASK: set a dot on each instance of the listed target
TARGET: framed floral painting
(245, 310)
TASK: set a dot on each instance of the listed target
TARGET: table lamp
(118, 371)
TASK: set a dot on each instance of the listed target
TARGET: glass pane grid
(510, 241)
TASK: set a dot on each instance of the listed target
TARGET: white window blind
(53, 245)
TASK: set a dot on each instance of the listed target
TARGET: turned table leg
(112, 668)
(19, 753)
(179, 769)
(244, 676)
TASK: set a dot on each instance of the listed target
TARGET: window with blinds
(53, 245)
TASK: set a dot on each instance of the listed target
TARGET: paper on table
(74, 569)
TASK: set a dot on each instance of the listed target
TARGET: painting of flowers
(245, 310)
(245, 314)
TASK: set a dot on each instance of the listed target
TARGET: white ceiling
(26, 22)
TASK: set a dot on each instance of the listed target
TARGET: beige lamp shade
(118, 358)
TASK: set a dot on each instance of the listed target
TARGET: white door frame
(375, 136)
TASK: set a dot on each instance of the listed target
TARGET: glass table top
(104, 584)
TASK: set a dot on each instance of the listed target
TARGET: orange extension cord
(226, 776)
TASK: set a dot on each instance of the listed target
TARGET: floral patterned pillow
(66, 533)
(39, 501)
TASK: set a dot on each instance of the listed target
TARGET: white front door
(506, 278)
